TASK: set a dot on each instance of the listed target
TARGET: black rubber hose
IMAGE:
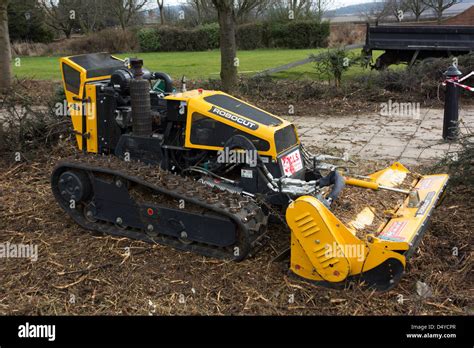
(165, 77)
(335, 179)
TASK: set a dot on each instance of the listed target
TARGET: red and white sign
(292, 163)
(394, 231)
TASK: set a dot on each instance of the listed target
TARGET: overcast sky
(337, 3)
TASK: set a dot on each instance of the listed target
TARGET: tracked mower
(205, 172)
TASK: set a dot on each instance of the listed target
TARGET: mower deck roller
(202, 171)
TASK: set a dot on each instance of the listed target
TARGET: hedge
(293, 34)
(149, 40)
(302, 34)
(250, 36)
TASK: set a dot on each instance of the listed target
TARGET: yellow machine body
(197, 105)
(80, 90)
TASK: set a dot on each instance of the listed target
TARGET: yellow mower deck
(324, 250)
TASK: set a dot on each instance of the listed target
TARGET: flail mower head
(325, 250)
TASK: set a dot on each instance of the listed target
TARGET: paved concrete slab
(409, 140)
(412, 152)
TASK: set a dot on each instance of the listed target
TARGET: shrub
(26, 22)
(460, 164)
(166, 38)
(112, 40)
(333, 63)
(250, 36)
(346, 34)
(29, 119)
(179, 39)
(212, 32)
(304, 34)
(149, 40)
(424, 77)
(297, 34)
(199, 40)
(274, 34)
(27, 48)
(294, 34)
(108, 40)
(173, 39)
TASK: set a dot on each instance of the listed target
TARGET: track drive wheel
(74, 185)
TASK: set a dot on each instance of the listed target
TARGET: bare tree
(161, 5)
(126, 10)
(61, 15)
(203, 11)
(417, 7)
(320, 7)
(5, 52)
(261, 9)
(290, 9)
(375, 12)
(397, 8)
(91, 16)
(439, 6)
(244, 8)
(228, 46)
(300, 8)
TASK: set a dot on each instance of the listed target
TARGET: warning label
(393, 232)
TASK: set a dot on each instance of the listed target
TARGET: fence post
(451, 105)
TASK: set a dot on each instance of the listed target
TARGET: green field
(194, 65)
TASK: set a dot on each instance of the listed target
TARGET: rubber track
(244, 211)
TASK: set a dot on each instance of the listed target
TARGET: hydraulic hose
(166, 78)
(335, 179)
(240, 141)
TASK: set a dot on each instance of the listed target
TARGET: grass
(194, 65)
(308, 71)
(198, 65)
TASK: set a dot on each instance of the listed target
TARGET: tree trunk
(225, 13)
(162, 16)
(67, 32)
(199, 15)
(122, 22)
(5, 51)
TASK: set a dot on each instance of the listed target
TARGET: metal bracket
(413, 199)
